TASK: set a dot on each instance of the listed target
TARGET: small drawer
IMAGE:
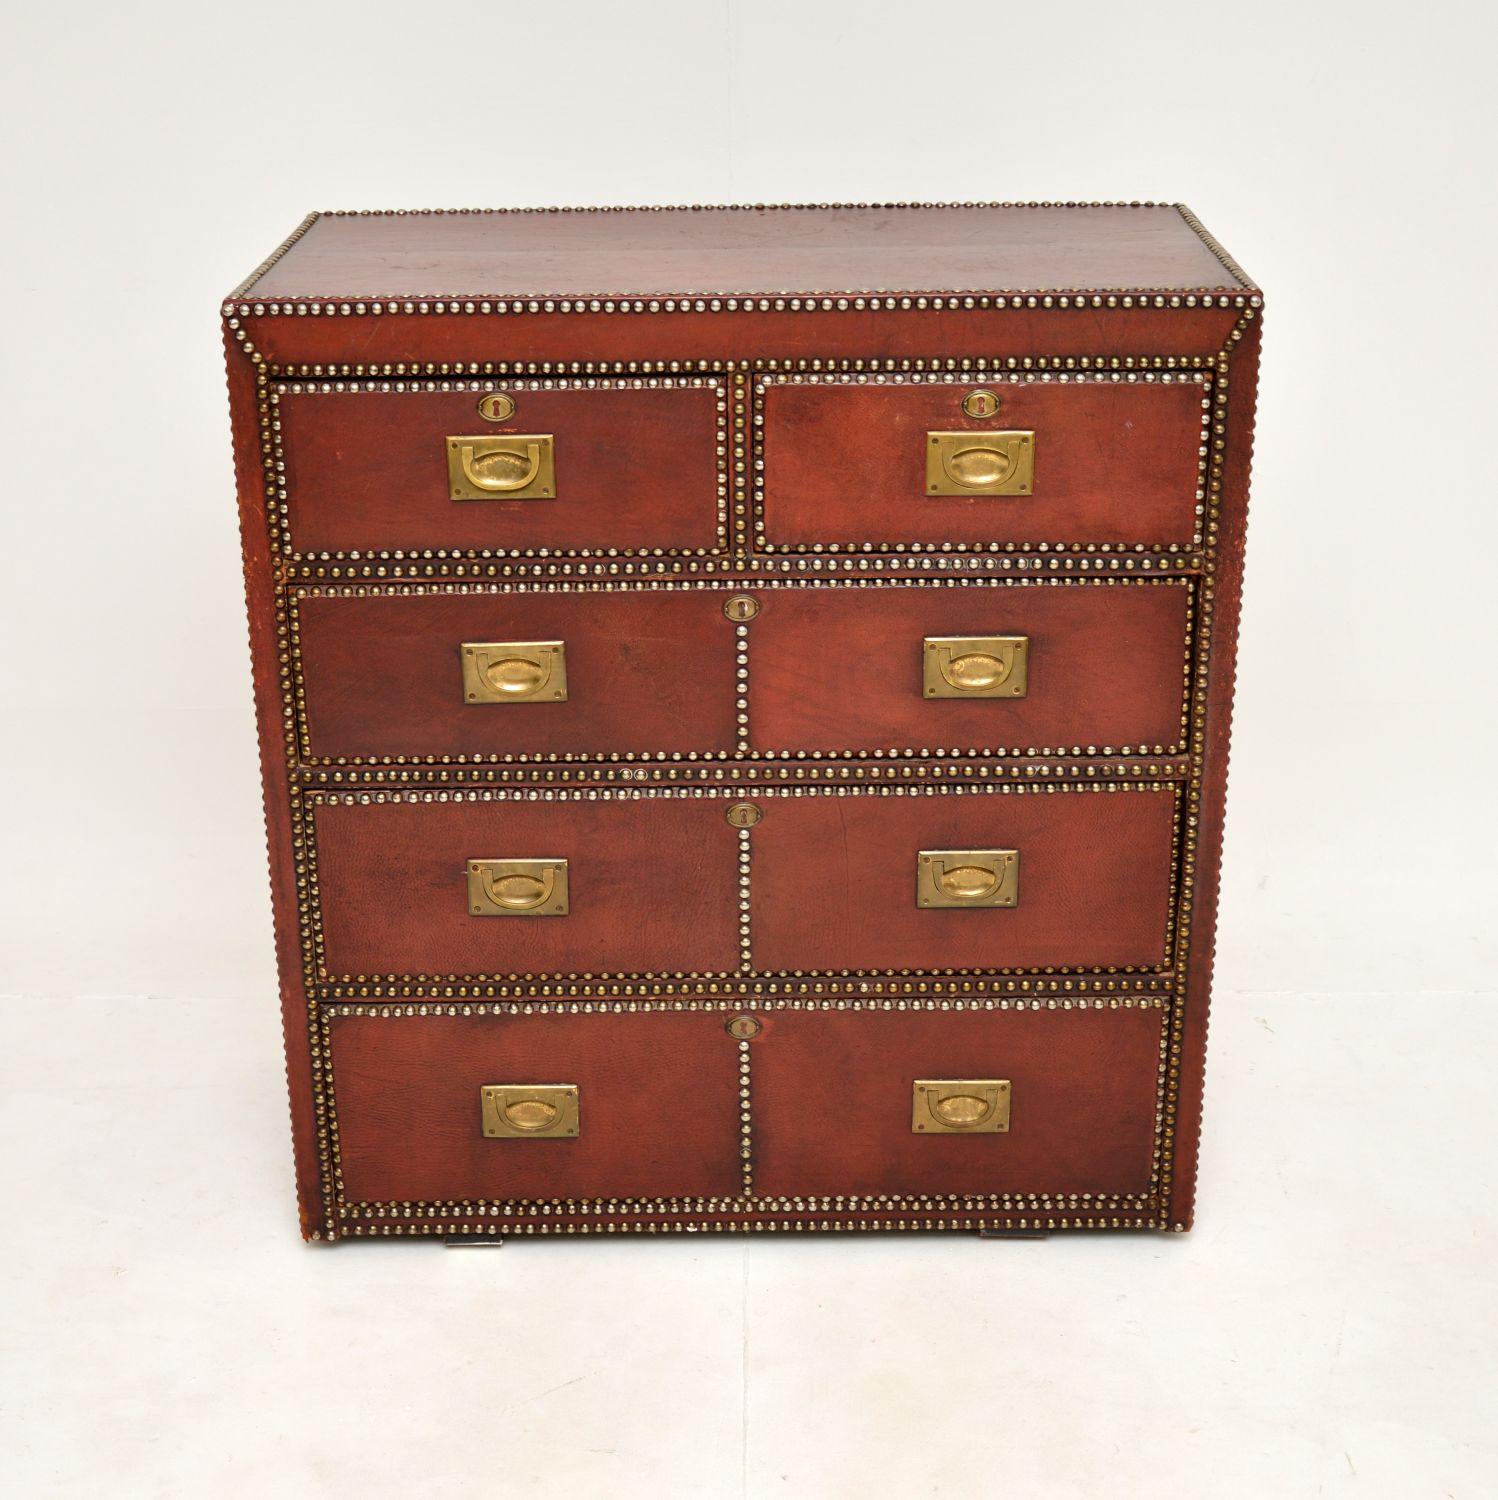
(852, 462)
(1026, 1101)
(524, 883)
(490, 672)
(1007, 876)
(417, 466)
(978, 667)
(441, 1108)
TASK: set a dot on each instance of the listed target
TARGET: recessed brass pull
(514, 671)
(514, 466)
(964, 666)
(960, 1106)
(529, 1111)
(518, 888)
(502, 473)
(967, 877)
(980, 463)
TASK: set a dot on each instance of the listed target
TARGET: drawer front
(1085, 460)
(652, 1112)
(835, 1109)
(648, 884)
(520, 885)
(491, 673)
(1098, 665)
(637, 466)
(839, 882)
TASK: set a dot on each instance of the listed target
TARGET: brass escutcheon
(975, 666)
(744, 814)
(980, 403)
(741, 607)
(496, 407)
(960, 1106)
(744, 1028)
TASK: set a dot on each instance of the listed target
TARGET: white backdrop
(1339, 152)
(1342, 151)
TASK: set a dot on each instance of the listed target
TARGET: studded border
(742, 751)
(471, 304)
(940, 984)
(276, 255)
(1195, 784)
(952, 1222)
(806, 768)
(1229, 264)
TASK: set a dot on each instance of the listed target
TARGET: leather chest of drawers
(744, 698)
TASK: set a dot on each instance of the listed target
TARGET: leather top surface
(746, 251)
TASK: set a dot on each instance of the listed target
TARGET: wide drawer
(964, 1102)
(484, 673)
(516, 884)
(492, 672)
(890, 461)
(753, 1109)
(984, 878)
(623, 884)
(495, 1107)
(979, 667)
(628, 465)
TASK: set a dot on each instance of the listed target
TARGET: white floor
(1328, 1330)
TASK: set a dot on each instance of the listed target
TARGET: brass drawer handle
(971, 666)
(514, 671)
(967, 877)
(518, 888)
(529, 1111)
(960, 1106)
(501, 479)
(519, 466)
(980, 463)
